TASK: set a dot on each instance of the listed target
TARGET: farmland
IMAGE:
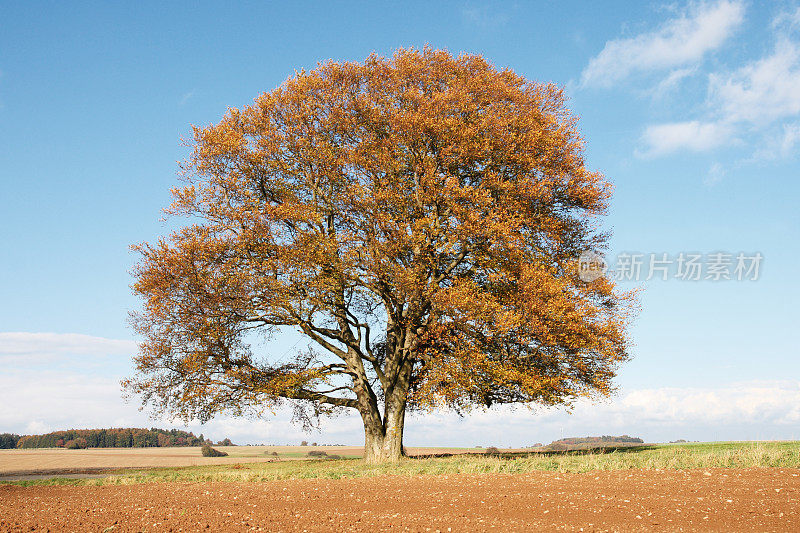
(745, 486)
(736, 485)
(50, 462)
(259, 463)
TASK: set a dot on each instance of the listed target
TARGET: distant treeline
(8, 440)
(605, 439)
(107, 438)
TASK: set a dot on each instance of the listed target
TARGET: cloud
(791, 138)
(31, 347)
(758, 402)
(763, 91)
(695, 136)
(58, 400)
(672, 81)
(787, 19)
(38, 396)
(752, 102)
(781, 145)
(749, 410)
(679, 41)
(36, 400)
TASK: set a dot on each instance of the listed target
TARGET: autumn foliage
(417, 218)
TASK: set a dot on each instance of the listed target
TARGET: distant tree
(8, 440)
(304, 443)
(419, 218)
(225, 442)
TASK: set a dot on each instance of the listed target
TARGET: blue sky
(691, 110)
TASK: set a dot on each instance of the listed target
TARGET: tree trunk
(383, 435)
(383, 443)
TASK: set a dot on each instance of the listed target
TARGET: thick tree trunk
(384, 442)
(383, 435)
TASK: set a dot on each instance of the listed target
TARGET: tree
(8, 440)
(163, 440)
(417, 218)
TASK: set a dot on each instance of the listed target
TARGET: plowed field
(629, 500)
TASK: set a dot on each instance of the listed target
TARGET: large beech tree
(417, 218)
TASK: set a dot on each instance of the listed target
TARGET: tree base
(383, 449)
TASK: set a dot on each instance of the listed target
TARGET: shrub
(492, 450)
(334, 456)
(208, 451)
(317, 453)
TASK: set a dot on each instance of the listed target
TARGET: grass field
(657, 457)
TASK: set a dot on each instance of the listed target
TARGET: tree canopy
(418, 218)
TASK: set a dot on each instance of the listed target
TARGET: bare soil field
(53, 461)
(764, 499)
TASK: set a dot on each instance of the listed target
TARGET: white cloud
(753, 101)
(763, 403)
(787, 19)
(763, 91)
(779, 145)
(28, 348)
(33, 401)
(661, 139)
(679, 41)
(672, 81)
(791, 138)
(750, 410)
(39, 397)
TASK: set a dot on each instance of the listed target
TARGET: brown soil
(633, 500)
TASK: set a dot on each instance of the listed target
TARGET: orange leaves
(416, 216)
